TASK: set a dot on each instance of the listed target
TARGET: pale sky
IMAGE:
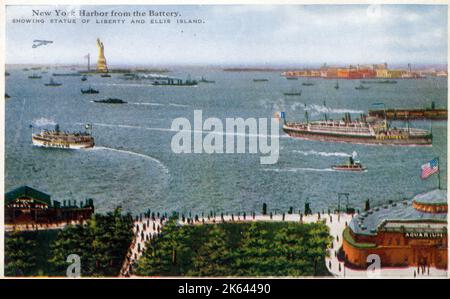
(242, 35)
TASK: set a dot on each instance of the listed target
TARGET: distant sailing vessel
(64, 140)
(352, 165)
(90, 90)
(360, 131)
(53, 83)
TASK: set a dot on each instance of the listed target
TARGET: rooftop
(367, 223)
(26, 191)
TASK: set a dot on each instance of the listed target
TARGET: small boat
(90, 90)
(7, 74)
(110, 101)
(25, 69)
(291, 78)
(203, 80)
(175, 82)
(307, 84)
(105, 75)
(361, 87)
(84, 78)
(260, 80)
(293, 93)
(337, 85)
(34, 76)
(66, 74)
(379, 81)
(352, 165)
(7, 96)
(53, 83)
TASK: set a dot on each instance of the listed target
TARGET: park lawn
(237, 249)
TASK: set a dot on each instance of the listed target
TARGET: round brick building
(408, 233)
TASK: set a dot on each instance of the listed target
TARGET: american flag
(429, 168)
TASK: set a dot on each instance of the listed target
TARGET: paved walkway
(143, 231)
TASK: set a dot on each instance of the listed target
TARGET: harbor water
(133, 166)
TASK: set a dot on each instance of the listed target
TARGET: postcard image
(294, 141)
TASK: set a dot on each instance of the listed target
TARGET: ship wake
(323, 154)
(146, 157)
(298, 169)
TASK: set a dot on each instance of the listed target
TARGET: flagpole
(439, 173)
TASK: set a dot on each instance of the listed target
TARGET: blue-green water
(133, 165)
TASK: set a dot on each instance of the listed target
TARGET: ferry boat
(111, 101)
(90, 90)
(64, 140)
(52, 83)
(360, 131)
(34, 76)
(175, 82)
(352, 165)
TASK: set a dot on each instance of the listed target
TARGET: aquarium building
(408, 233)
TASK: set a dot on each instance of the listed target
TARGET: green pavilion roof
(26, 191)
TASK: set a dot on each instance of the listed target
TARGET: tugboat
(110, 101)
(34, 76)
(53, 83)
(64, 140)
(90, 90)
(361, 87)
(351, 165)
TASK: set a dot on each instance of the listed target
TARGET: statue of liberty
(101, 63)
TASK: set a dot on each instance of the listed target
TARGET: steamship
(64, 140)
(361, 131)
